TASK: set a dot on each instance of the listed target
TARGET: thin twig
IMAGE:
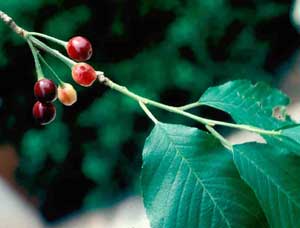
(205, 121)
(189, 106)
(12, 24)
(122, 89)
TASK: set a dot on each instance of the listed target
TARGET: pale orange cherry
(67, 95)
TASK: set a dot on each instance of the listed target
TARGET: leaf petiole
(148, 112)
(224, 141)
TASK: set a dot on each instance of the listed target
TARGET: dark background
(169, 50)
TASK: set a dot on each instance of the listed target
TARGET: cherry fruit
(44, 113)
(67, 94)
(84, 74)
(79, 48)
(45, 90)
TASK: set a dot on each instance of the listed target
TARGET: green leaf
(292, 133)
(275, 178)
(247, 103)
(288, 140)
(189, 180)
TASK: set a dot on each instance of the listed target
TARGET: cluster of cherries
(46, 92)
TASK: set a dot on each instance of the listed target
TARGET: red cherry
(79, 48)
(84, 74)
(45, 90)
(44, 113)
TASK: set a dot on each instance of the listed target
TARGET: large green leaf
(189, 180)
(275, 178)
(247, 103)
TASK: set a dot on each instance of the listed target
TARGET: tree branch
(12, 24)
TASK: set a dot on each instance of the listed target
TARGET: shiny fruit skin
(79, 49)
(84, 74)
(67, 95)
(44, 113)
(45, 90)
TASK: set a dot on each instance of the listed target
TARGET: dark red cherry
(44, 113)
(45, 90)
(79, 48)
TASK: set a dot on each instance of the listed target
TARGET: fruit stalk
(70, 63)
(60, 82)
(58, 41)
(38, 68)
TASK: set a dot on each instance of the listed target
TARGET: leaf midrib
(198, 178)
(272, 180)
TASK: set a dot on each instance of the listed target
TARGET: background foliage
(169, 50)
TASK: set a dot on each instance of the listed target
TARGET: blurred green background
(168, 50)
